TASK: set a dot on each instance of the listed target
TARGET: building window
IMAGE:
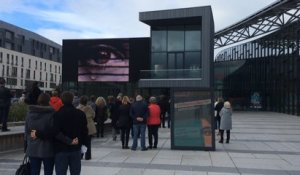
(159, 39)
(9, 35)
(55, 69)
(193, 38)
(12, 60)
(29, 63)
(8, 45)
(41, 65)
(1, 56)
(7, 58)
(35, 64)
(28, 74)
(50, 68)
(14, 72)
(34, 75)
(40, 76)
(22, 61)
(22, 73)
(17, 59)
(46, 77)
(3, 67)
(176, 38)
(7, 71)
(45, 66)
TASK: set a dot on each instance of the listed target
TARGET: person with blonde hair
(124, 121)
(226, 121)
(101, 115)
(90, 115)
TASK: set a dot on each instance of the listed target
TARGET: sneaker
(126, 147)
(149, 147)
(144, 149)
(133, 149)
(154, 147)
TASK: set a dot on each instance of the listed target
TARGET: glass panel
(159, 39)
(193, 38)
(176, 38)
(158, 63)
(179, 61)
(171, 61)
(192, 60)
(192, 127)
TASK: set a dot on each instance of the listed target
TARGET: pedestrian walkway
(262, 143)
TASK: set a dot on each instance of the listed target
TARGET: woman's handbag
(24, 168)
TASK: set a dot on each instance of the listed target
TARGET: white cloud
(116, 18)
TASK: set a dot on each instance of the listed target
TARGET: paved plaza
(262, 143)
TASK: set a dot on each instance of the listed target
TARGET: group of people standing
(223, 118)
(59, 128)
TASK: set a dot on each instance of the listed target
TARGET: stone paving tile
(190, 173)
(158, 172)
(261, 143)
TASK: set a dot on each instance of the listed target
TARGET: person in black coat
(218, 108)
(33, 94)
(124, 122)
(5, 97)
(71, 123)
(100, 115)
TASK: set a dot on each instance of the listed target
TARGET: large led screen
(103, 60)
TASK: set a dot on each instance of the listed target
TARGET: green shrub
(17, 112)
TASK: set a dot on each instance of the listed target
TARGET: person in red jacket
(153, 122)
(55, 101)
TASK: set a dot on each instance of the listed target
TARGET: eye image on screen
(104, 62)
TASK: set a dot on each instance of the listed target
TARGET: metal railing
(171, 74)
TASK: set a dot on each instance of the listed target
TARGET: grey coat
(226, 119)
(39, 118)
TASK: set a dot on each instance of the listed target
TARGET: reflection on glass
(159, 39)
(176, 38)
(193, 38)
(192, 119)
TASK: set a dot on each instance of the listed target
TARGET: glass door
(175, 61)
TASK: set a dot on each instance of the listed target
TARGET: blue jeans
(35, 165)
(63, 160)
(138, 128)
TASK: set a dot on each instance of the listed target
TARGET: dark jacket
(5, 97)
(71, 123)
(114, 112)
(218, 108)
(101, 114)
(32, 96)
(124, 120)
(39, 118)
(139, 109)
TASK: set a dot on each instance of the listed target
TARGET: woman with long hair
(124, 122)
(90, 115)
(101, 115)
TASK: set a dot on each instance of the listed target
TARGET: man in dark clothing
(218, 108)
(33, 94)
(139, 113)
(5, 97)
(71, 123)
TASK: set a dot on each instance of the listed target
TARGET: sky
(84, 19)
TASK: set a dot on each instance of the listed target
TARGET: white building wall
(41, 69)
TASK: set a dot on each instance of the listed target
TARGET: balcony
(171, 74)
(171, 78)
